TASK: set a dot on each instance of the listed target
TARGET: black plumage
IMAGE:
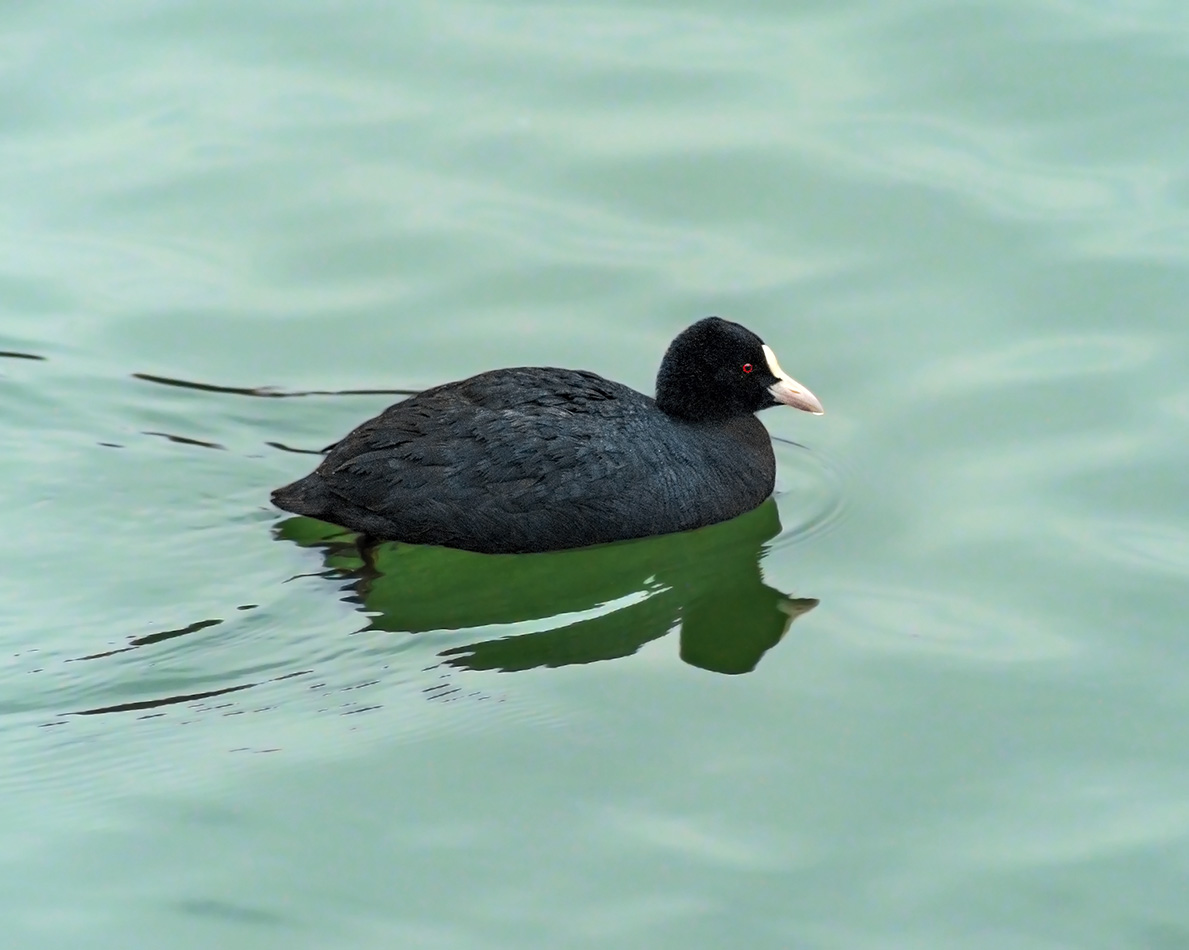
(541, 459)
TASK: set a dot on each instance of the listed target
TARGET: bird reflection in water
(582, 605)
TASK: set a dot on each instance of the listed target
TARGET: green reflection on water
(707, 582)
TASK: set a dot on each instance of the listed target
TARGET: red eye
(747, 367)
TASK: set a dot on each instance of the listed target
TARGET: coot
(542, 459)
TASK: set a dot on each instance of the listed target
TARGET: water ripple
(1040, 359)
(1144, 546)
(810, 492)
(941, 626)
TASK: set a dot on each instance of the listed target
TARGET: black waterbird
(543, 459)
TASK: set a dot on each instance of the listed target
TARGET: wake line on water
(268, 392)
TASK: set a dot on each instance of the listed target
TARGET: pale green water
(964, 226)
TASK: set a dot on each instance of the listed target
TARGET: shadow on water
(582, 606)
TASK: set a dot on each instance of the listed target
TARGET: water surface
(932, 696)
